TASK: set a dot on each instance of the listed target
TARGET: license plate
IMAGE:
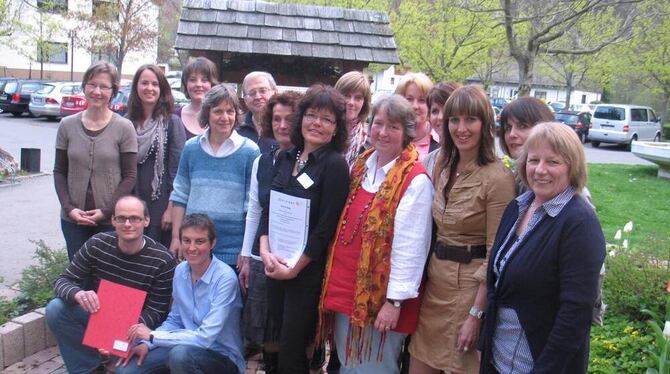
(37, 99)
(68, 104)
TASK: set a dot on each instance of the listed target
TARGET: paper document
(288, 226)
(120, 308)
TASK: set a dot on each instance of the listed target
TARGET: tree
(118, 26)
(8, 17)
(538, 27)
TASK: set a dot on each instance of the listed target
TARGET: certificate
(288, 226)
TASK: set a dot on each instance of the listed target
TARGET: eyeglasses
(311, 117)
(123, 219)
(92, 87)
(260, 91)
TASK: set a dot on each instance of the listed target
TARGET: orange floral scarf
(374, 263)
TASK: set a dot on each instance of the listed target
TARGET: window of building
(542, 95)
(494, 92)
(52, 52)
(583, 99)
(53, 6)
(103, 55)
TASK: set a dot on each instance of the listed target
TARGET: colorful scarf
(358, 136)
(152, 138)
(374, 263)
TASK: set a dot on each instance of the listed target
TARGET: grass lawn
(625, 193)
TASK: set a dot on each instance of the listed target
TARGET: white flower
(625, 243)
(628, 227)
(617, 236)
(612, 253)
(666, 330)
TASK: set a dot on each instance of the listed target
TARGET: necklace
(300, 164)
(359, 219)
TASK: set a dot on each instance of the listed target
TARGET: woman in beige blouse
(472, 189)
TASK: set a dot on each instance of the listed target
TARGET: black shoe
(271, 362)
(334, 364)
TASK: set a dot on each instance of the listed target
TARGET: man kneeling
(202, 331)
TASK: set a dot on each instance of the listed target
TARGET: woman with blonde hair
(472, 189)
(415, 88)
(355, 87)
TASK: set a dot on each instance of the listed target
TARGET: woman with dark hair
(276, 124)
(96, 159)
(198, 77)
(437, 97)
(381, 244)
(160, 139)
(543, 275)
(313, 169)
(355, 87)
(517, 119)
(214, 174)
(472, 189)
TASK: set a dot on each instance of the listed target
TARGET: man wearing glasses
(258, 87)
(125, 256)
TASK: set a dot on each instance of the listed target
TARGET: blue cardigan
(551, 281)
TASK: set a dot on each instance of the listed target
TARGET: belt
(460, 254)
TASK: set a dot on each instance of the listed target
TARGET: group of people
(424, 252)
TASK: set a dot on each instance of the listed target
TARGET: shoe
(271, 362)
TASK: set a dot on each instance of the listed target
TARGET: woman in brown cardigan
(96, 159)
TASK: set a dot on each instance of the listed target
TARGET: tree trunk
(568, 94)
(525, 76)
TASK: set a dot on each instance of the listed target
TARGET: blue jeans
(185, 359)
(76, 235)
(68, 323)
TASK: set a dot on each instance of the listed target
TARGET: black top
(248, 130)
(264, 174)
(329, 171)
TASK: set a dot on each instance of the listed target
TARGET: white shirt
(229, 146)
(412, 229)
(253, 214)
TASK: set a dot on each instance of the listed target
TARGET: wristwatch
(476, 312)
(395, 303)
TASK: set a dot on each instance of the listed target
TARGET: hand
(175, 248)
(81, 218)
(166, 219)
(468, 335)
(387, 318)
(95, 215)
(279, 269)
(244, 268)
(141, 350)
(139, 331)
(88, 300)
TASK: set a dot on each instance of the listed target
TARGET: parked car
(15, 95)
(119, 103)
(557, 106)
(621, 124)
(46, 101)
(73, 104)
(499, 102)
(496, 116)
(578, 121)
(180, 99)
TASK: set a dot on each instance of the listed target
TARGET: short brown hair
(102, 67)
(214, 97)
(469, 101)
(200, 65)
(440, 93)
(319, 96)
(527, 110)
(289, 99)
(397, 108)
(355, 81)
(563, 141)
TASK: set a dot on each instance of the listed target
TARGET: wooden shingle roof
(258, 27)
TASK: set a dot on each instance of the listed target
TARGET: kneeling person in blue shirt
(202, 332)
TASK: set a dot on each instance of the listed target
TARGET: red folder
(120, 308)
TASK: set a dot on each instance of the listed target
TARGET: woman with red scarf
(369, 302)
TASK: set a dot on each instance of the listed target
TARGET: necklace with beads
(359, 219)
(300, 164)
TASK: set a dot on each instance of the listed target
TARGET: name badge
(120, 345)
(305, 181)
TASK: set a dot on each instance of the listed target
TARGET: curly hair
(320, 96)
(288, 99)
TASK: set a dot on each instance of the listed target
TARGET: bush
(36, 282)
(621, 346)
(666, 131)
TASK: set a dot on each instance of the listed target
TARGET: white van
(621, 124)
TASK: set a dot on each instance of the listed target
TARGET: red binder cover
(120, 308)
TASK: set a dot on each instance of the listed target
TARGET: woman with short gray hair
(214, 175)
(373, 272)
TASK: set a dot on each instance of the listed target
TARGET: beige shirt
(475, 206)
(95, 159)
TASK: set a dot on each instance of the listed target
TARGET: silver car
(46, 101)
(621, 124)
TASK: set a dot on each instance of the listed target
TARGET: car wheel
(657, 138)
(582, 137)
(17, 114)
(51, 118)
(629, 145)
(595, 144)
(31, 114)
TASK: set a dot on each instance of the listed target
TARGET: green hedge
(666, 131)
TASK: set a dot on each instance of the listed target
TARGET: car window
(652, 116)
(11, 87)
(46, 89)
(637, 114)
(70, 89)
(30, 87)
(610, 112)
(565, 117)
